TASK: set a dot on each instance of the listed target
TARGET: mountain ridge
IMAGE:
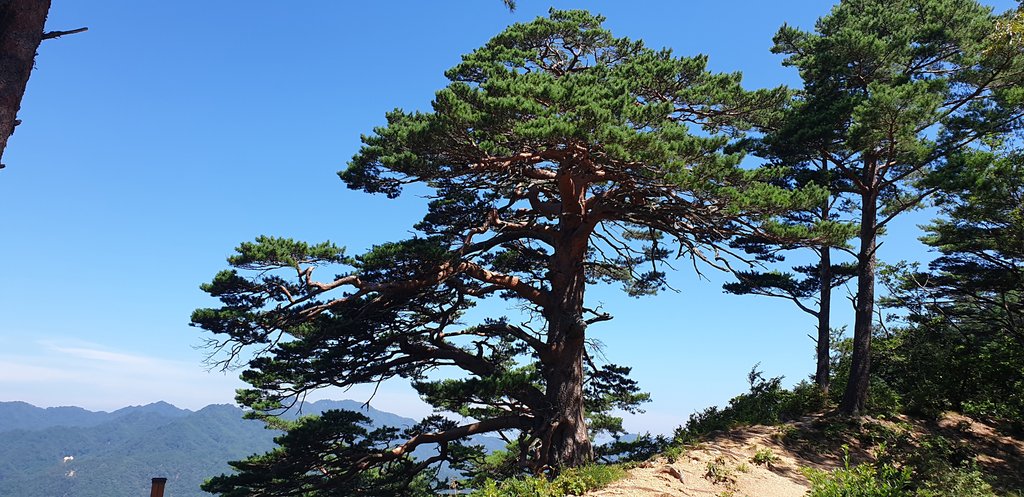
(73, 452)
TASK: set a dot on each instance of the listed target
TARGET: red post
(158, 487)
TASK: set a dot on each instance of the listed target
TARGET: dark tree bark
(821, 374)
(565, 438)
(21, 31)
(824, 343)
(855, 396)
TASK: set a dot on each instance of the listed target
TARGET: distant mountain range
(73, 452)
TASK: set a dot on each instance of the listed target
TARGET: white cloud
(104, 356)
(95, 376)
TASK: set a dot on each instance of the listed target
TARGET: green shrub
(958, 482)
(767, 403)
(718, 472)
(764, 457)
(934, 467)
(572, 481)
(498, 465)
(881, 479)
(673, 452)
(865, 480)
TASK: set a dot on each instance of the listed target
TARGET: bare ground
(724, 464)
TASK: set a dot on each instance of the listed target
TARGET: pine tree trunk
(563, 427)
(21, 31)
(822, 373)
(856, 395)
(565, 441)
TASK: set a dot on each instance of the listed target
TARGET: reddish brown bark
(21, 31)
(564, 438)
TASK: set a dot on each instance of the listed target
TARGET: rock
(673, 472)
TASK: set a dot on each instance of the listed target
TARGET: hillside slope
(729, 464)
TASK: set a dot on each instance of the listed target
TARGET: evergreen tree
(964, 346)
(895, 89)
(808, 286)
(559, 157)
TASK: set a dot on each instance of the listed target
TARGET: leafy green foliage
(863, 480)
(961, 345)
(764, 456)
(766, 403)
(558, 156)
(574, 481)
(893, 92)
(931, 467)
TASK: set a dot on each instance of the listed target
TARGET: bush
(865, 480)
(881, 479)
(959, 482)
(673, 453)
(767, 403)
(764, 457)
(572, 481)
(933, 467)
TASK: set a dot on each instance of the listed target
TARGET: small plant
(764, 457)
(673, 453)
(743, 468)
(865, 480)
(784, 433)
(718, 472)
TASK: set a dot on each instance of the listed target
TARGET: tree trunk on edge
(21, 31)
(856, 395)
(821, 375)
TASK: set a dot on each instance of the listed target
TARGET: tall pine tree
(896, 89)
(963, 344)
(559, 157)
(808, 286)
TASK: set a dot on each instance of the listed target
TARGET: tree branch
(57, 34)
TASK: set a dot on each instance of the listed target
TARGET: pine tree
(808, 286)
(559, 157)
(963, 348)
(897, 89)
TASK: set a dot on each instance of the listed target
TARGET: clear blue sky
(171, 131)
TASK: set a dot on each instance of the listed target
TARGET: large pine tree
(895, 89)
(559, 156)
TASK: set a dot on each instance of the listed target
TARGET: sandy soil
(724, 465)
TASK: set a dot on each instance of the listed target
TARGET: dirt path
(724, 467)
